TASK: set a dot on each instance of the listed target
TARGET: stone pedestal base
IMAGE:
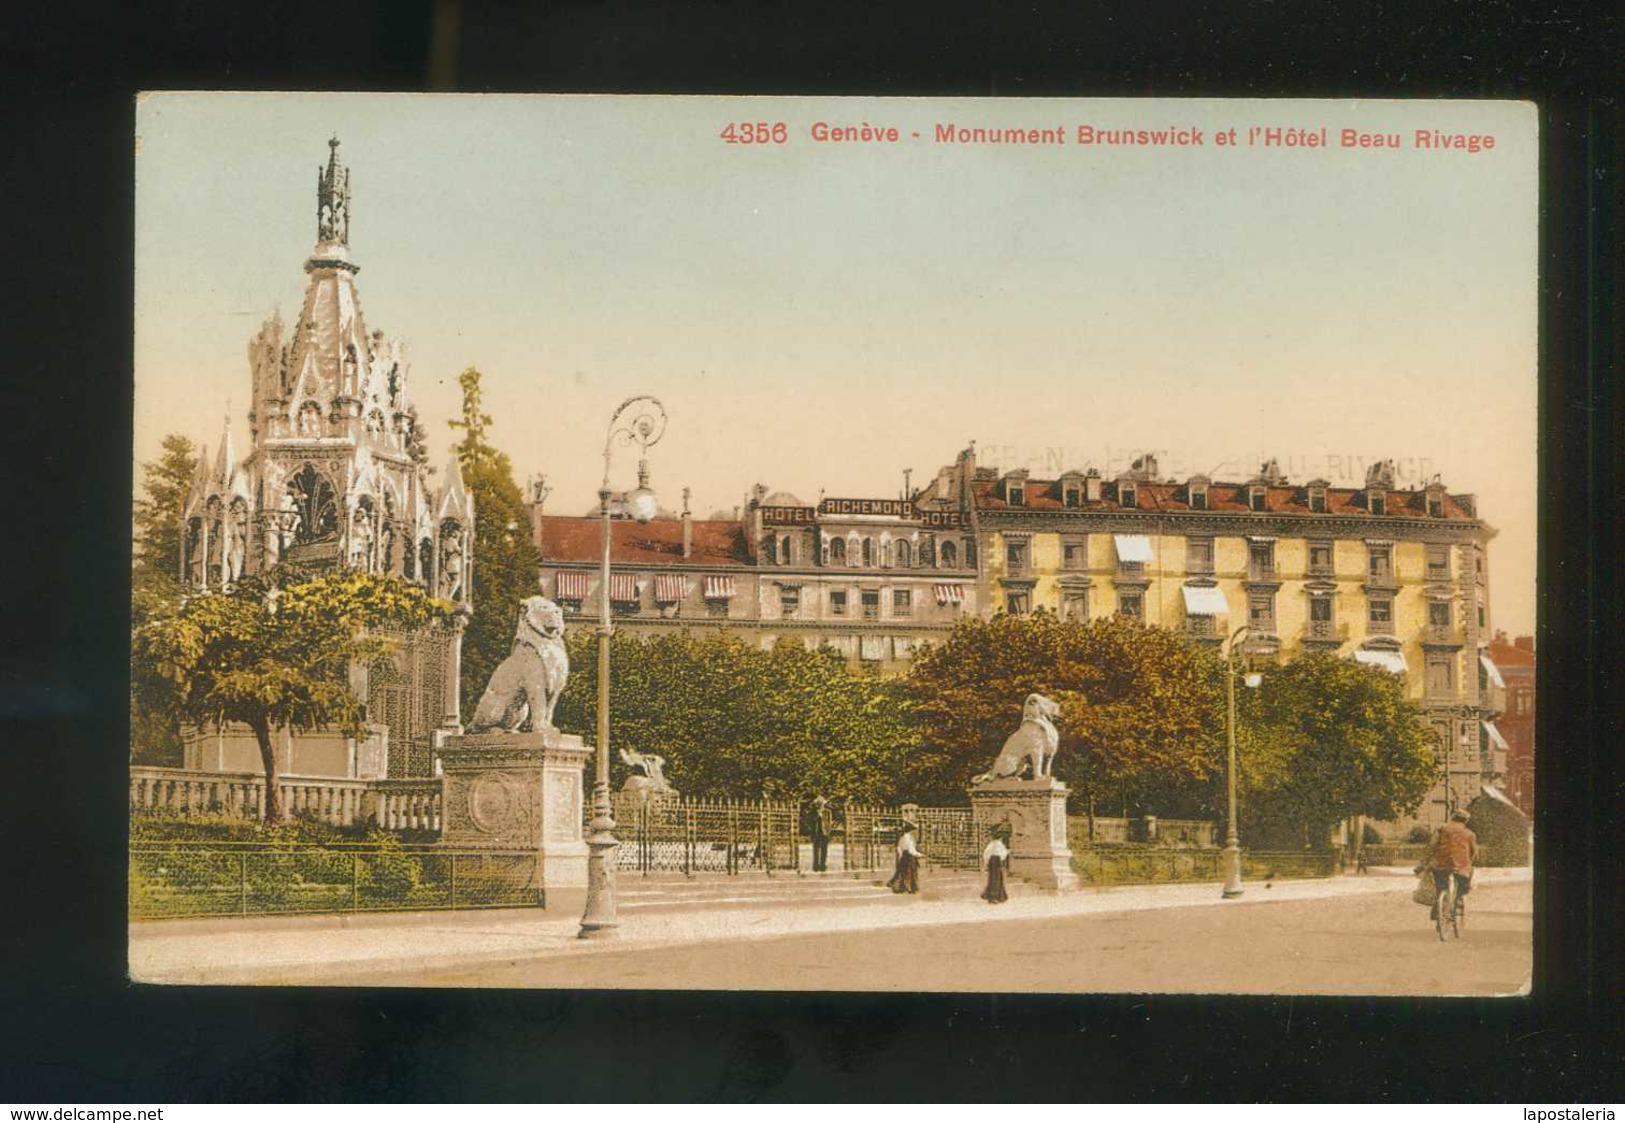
(1036, 812)
(520, 791)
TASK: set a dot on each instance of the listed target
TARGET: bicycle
(1450, 911)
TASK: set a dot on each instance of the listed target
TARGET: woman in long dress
(906, 878)
(995, 859)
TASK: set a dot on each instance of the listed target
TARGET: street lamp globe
(1253, 679)
(641, 504)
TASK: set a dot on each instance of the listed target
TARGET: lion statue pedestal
(1036, 813)
(520, 791)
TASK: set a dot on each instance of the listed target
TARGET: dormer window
(1257, 496)
(1198, 496)
(1435, 505)
(1376, 502)
(1016, 493)
(1317, 501)
(1072, 495)
(1128, 494)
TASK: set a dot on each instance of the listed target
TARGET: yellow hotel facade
(1392, 577)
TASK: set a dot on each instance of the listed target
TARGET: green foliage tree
(273, 658)
(1324, 739)
(1141, 706)
(155, 560)
(506, 561)
(734, 720)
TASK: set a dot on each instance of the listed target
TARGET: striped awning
(1132, 547)
(1205, 600)
(1496, 739)
(1491, 670)
(950, 594)
(670, 588)
(623, 587)
(1388, 660)
(571, 586)
(719, 588)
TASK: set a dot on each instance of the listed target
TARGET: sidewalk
(344, 949)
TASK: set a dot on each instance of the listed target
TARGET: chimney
(1091, 485)
(688, 528)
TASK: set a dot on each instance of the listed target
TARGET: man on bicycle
(1455, 848)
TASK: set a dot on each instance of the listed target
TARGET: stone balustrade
(391, 804)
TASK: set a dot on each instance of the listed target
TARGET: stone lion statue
(525, 688)
(1034, 743)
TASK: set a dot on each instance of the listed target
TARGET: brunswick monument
(1034, 807)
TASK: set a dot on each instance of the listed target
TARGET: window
(837, 602)
(770, 549)
(1126, 494)
(928, 552)
(1438, 563)
(1381, 611)
(1377, 502)
(1380, 562)
(1261, 559)
(950, 554)
(1481, 617)
(789, 601)
(837, 551)
(1074, 553)
(970, 552)
(1320, 557)
(1015, 555)
(786, 552)
(1198, 497)
(1075, 605)
(903, 555)
(1017, 494)
(1199, 555)
(1320, 610)
(1257, 498)
(716, 607)
(1131, 603)
(1072, 495)
(1435, 505)
(1261, 611)
(902, 602)
(868, 553)
(871, 604)
(1441, 676)
(1522, 703)
(1439, 613)
(1317, 500)
(1017, 604)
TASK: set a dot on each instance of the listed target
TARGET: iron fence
(196, 879)
(706, 835)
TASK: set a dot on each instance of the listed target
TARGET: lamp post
(1232, 838)
(639, 420)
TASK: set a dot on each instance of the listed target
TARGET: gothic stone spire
(333, 199)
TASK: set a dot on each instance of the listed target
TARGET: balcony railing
(1201, 627)
(1322, 569)
(1194, 565)
(1379, 627)
(1441, 633)
(1326, 630)
(1493, 698)
(1263, 571)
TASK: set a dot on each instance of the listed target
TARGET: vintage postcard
(834, 544)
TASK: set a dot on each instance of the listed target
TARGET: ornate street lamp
(1232, 838)
(640, 421)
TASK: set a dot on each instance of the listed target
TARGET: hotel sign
(881, 508)
(779, 516)
(888, 508)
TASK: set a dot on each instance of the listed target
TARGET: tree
(1141, 707)
(156, 559)
(154, 577)
(1324, 739)
(734, 720)
(506, 562)
(274, 658)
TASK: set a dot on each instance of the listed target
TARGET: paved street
(1338, 936)
(1339, 945)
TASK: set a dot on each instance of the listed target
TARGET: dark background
(74, 1031)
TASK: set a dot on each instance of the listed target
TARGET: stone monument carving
(525, 687)
(650, 779)
(1033, 808)
(513, 783)
(1034, 743)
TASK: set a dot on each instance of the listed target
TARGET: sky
(820, 316)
